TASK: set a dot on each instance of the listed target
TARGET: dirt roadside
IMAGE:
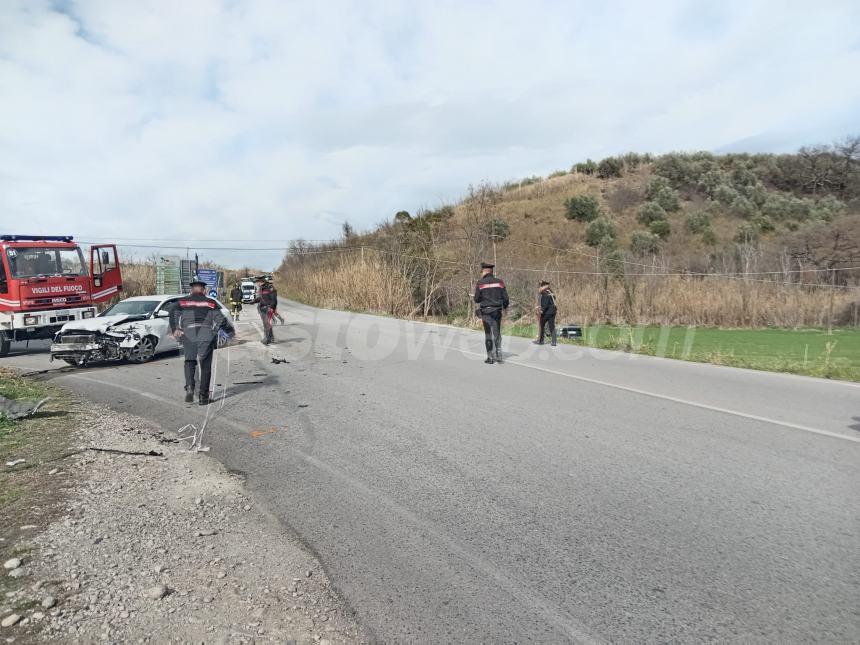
(161, 547)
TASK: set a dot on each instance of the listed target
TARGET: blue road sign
(210, 277)
(213, 293)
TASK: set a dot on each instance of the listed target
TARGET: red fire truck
(45, 282)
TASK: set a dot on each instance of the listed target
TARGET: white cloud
(277, 120)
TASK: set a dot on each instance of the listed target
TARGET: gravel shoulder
(164, 545)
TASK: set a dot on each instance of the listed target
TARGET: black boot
(499, 355)
(189, 394)
(489, 360)
(204, 399)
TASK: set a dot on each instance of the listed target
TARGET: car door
(161, 324)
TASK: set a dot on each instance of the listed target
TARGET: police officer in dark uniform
(196, 321)
(267, 307)
(491, 297)
(547, 310)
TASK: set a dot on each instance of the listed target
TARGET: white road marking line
(673, 399)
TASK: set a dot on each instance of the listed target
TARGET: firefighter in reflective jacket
(236, 301)
(491, 297)
(196, 321)
(267, 308)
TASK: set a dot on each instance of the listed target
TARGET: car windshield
(28, 262)
(132, 308)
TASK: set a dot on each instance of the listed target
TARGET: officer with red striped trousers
(491, 296)
(196, 320)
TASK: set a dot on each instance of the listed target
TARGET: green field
(813, 352)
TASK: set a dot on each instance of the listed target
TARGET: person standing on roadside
(195, 321)
(236, 301)
(267, 306)
(491, 296)
(547, 310)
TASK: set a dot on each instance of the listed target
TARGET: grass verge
(810, 352)
(29, 496)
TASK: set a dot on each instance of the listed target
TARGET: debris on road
(12, 563)
(15, 462)
(10, 620)
(278, 361)
(15, 409)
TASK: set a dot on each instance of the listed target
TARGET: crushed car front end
(107, 342)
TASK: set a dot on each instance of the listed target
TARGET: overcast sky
(276, 120)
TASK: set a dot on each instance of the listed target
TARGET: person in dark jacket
(491, 296)
(267, 306)
(236, 301)
(546, 310)
(275, 313)
(196, 321)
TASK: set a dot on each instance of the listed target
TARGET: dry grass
(348, 282)
(138, 279)
(714, 302)
(379, 284)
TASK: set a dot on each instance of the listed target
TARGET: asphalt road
(568, 495)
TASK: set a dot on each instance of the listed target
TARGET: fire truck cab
(45, 282)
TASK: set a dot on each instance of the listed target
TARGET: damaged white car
(134, 329)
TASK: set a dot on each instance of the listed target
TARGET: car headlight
(31, 320)
(88, 314)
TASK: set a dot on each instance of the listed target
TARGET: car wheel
(143, 351)
(5, 344)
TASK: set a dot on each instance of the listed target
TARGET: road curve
(569, 495)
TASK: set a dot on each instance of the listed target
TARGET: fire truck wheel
(143, 351)
(5, 344)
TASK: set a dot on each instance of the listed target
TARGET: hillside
(683, 238)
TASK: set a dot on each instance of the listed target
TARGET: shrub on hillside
(742, 207)
(600, 232)
(611, 260)
(557, 173)
(826, 209)
(632, 160)
(747, 233)
(675, 167)
(498, 228)
(402, 217)
(756, 193)
(763, 222)
(661, 228)
(709, 181)
(650, 212)
(724, 194)
(644, 243)
(709, 237)
(659, 190)
(697, 222)
(587, 167)
(610, 167)
(784, 206)
(742, 175)
(582, 208)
